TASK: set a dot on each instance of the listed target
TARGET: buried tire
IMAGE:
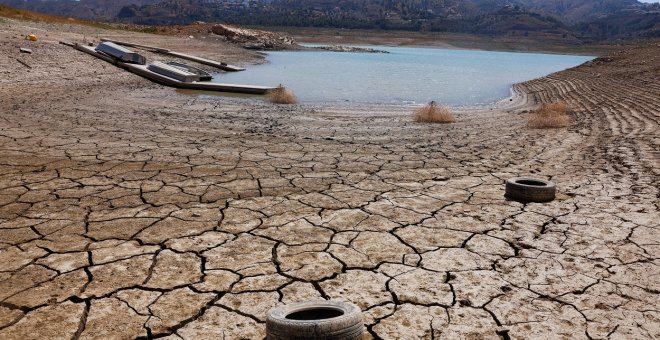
(328, 320)
(523, 189)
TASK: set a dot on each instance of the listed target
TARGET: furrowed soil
(131, 210)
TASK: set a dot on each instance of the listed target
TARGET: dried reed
(282, 95)
(434, 113)
(549, 116)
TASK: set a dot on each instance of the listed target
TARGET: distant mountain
(587, 19)
(84, 9)
(623, 24)
(574, 11)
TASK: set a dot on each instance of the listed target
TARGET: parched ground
(130, 210)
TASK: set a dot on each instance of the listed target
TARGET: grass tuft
(148, 29)
(281, 95)
(550, 116)
(434, 113)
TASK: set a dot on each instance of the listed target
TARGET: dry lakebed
(131, 210)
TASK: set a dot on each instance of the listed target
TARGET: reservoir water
(403, 76)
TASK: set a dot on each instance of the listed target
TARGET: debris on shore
(254, 39)
(181, 76)
(23, 63)
(352, 49)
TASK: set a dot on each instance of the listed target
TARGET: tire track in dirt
(613, 100)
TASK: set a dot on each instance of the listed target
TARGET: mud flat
(129, 210)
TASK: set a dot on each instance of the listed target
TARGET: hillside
(85, 9)
(575, 11)
(569, 19)
(623, 24)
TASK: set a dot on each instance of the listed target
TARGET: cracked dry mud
(129, 210)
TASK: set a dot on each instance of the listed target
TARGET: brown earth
(131, 210)
(535, 42)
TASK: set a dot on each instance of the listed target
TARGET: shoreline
(458, 48)
(478, 106)
(441, 40)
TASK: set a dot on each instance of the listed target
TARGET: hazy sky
(649, 0)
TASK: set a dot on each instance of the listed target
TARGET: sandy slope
(132, 210)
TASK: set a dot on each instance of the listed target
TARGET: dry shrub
(282, 95)
(434, 113)
(550, 116)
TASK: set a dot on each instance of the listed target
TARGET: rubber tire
(353, 333)
(348, 326)
(529, 193)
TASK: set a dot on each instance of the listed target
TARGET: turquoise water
(403, 76)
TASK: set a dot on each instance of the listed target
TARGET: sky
(649, 0)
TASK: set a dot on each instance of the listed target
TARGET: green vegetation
(147, 29)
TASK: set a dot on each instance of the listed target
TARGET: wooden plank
(204, 86)
(146, 47)
(216, 64)
(23, 63)
(222, 66)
